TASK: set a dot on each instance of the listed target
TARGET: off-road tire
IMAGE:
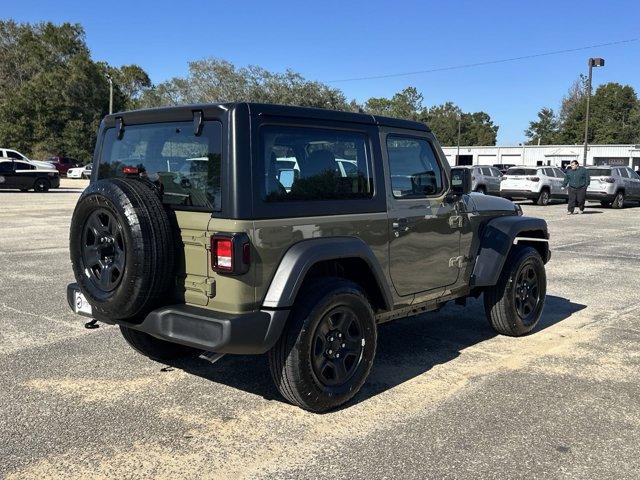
(499, 300)
(154, 348)
(618, 201)
(41, 185)
(290, 360)
(144, 228)
(543, 198)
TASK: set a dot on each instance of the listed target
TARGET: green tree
(406, 104)
(213, 80)
(476, 128)
(52, 94)
(543, 131)
(614, 117)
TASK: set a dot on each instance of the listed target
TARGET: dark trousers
(577, 197)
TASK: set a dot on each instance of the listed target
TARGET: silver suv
(540, 184)
(485, 179)
(613, 186)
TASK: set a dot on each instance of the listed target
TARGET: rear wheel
(325, 353)
(154, 348)
(543, 198)
(618, 201)
(41, 185)
(514, 305)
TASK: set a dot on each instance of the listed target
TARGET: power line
(479, 64)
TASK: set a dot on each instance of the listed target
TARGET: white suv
(540, 184)
(613, 186)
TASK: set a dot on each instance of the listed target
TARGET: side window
(24, 166)
(486, 171)
(623, 172)
(634, 175)
(303, 164)
(14, 155)
(6, 167)
(415, 171)
(495, 172)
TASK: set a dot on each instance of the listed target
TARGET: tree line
(53, 96)
(614, 117)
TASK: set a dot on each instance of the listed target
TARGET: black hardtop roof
(185, 113)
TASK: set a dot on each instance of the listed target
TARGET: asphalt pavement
(447, 398)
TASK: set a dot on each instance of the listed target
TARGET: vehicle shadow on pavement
(406, 349)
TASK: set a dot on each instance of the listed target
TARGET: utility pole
(458, 154)
(593, 62)
(110, 94)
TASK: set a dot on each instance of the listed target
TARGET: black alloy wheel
(103, 250)
(337, 347)
(527, 293)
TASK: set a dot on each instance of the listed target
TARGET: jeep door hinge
(456, 221)
(458, 262)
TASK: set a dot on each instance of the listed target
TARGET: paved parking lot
(446, 398)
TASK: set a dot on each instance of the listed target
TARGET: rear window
(600, 172)
(521, 171)
(184, 166)
(303, 164)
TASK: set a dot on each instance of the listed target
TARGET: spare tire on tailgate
(122, 249)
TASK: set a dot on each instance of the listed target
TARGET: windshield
(185, 167)
(521, 171)
(600, 172)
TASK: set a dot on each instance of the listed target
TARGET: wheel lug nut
(331, 339)
(343, 345)
(329, 352)
(337, 355)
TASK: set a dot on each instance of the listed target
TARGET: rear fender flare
(300, 257)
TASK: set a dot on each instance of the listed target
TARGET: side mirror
(460, 181)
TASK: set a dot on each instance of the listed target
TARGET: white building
(555, 155)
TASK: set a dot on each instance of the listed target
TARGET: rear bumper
(528, 194)
(600, 196)
(246, 333)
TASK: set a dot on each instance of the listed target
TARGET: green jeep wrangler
(249, 229)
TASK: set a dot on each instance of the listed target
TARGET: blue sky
(330, 40)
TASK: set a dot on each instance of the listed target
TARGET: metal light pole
(110, 94)
(593, 62)
(458, 154)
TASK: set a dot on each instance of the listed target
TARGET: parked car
(79, 172)
(63, 164)
(540, 184)
(503, 167)
(9, 154)
(218, 256)
(25, 175)
(485, 179)
(613, 186)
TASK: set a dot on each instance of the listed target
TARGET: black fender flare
(303, 255)
(498, 236)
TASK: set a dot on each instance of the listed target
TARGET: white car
(539, 184)
(79, 172)
(10, 154)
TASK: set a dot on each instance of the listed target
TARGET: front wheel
(325, 353)
(618, 201)
(514, 305)
(543, 198)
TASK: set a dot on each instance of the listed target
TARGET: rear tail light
(130, 170)
(533, 179)
(230, 253)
